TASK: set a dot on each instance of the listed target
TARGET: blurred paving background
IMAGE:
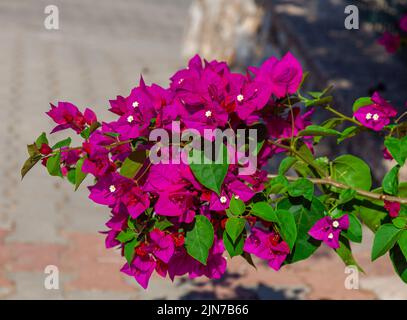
(99, 52)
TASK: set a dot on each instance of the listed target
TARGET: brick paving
(99, 51)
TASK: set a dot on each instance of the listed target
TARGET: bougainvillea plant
(184, 218)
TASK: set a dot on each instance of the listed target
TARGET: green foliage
(234, 227)
(210, 173)
(385, 238)
(287, 227)
(345, 253)
(264, 211)
(354, 232)
(352, 171)
(301, 187)
(79, 174)
(237, 206)
(63, 143)
(133, 163)
(361, 102)
(390, 182)
(286, 164)
(306, 214)
(54, 165)
(199, 240)
(234, 248)
(397, 148)
(41, 139)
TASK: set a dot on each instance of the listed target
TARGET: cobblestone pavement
(99, 51)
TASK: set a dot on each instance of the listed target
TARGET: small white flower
(135, 104)
(369, 116)
(240, 98)
(237, 197)
(112, 188)
(223, 199)
(208, 114)
(330, 236)
(376, 117)
(335, 224)
(130, 119)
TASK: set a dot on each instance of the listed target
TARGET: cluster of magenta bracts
(162, 200)
(393, 41)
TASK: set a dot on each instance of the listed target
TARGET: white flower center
(369, 116)
(208, 114)
(130, 119)
(330, 236)
(237, 197)
(112, 188)
(376, 117)
(335, 224)
(223, 199)
(135, 104)
(180, 81)
(240, 98)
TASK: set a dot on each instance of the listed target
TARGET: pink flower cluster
(205, 95)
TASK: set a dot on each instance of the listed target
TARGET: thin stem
(401, 117)
(341, 115)
(329, 181)
(299, 155)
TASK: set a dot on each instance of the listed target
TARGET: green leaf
(33, 150)
(54, 165)
(286, 164)
(361, 102)
(390, 182)
(301, 187)
(314, 130)
(348, 133)
(163, 224)
(41, 139)
(234, 227)
(385, 238)
(85, 133)
(278, 185)
(63, 143)
(129, 249)
(237, 206)
(71, 175)
(133, 163)
(345, 253)
(287, 226)
(199, 240)
(126, 235)
(397, 148)
(264, 211)
(402, 242)
(28, 164)
(306, 214)
(234, 248)
(399, 262)
(354, 232)
(351, 171)
(346, 196)
(400, 222)
(79, 174)
(208, 172)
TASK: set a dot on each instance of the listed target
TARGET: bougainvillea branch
(328, 181)
(183, 171)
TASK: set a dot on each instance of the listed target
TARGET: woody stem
(329, 181)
